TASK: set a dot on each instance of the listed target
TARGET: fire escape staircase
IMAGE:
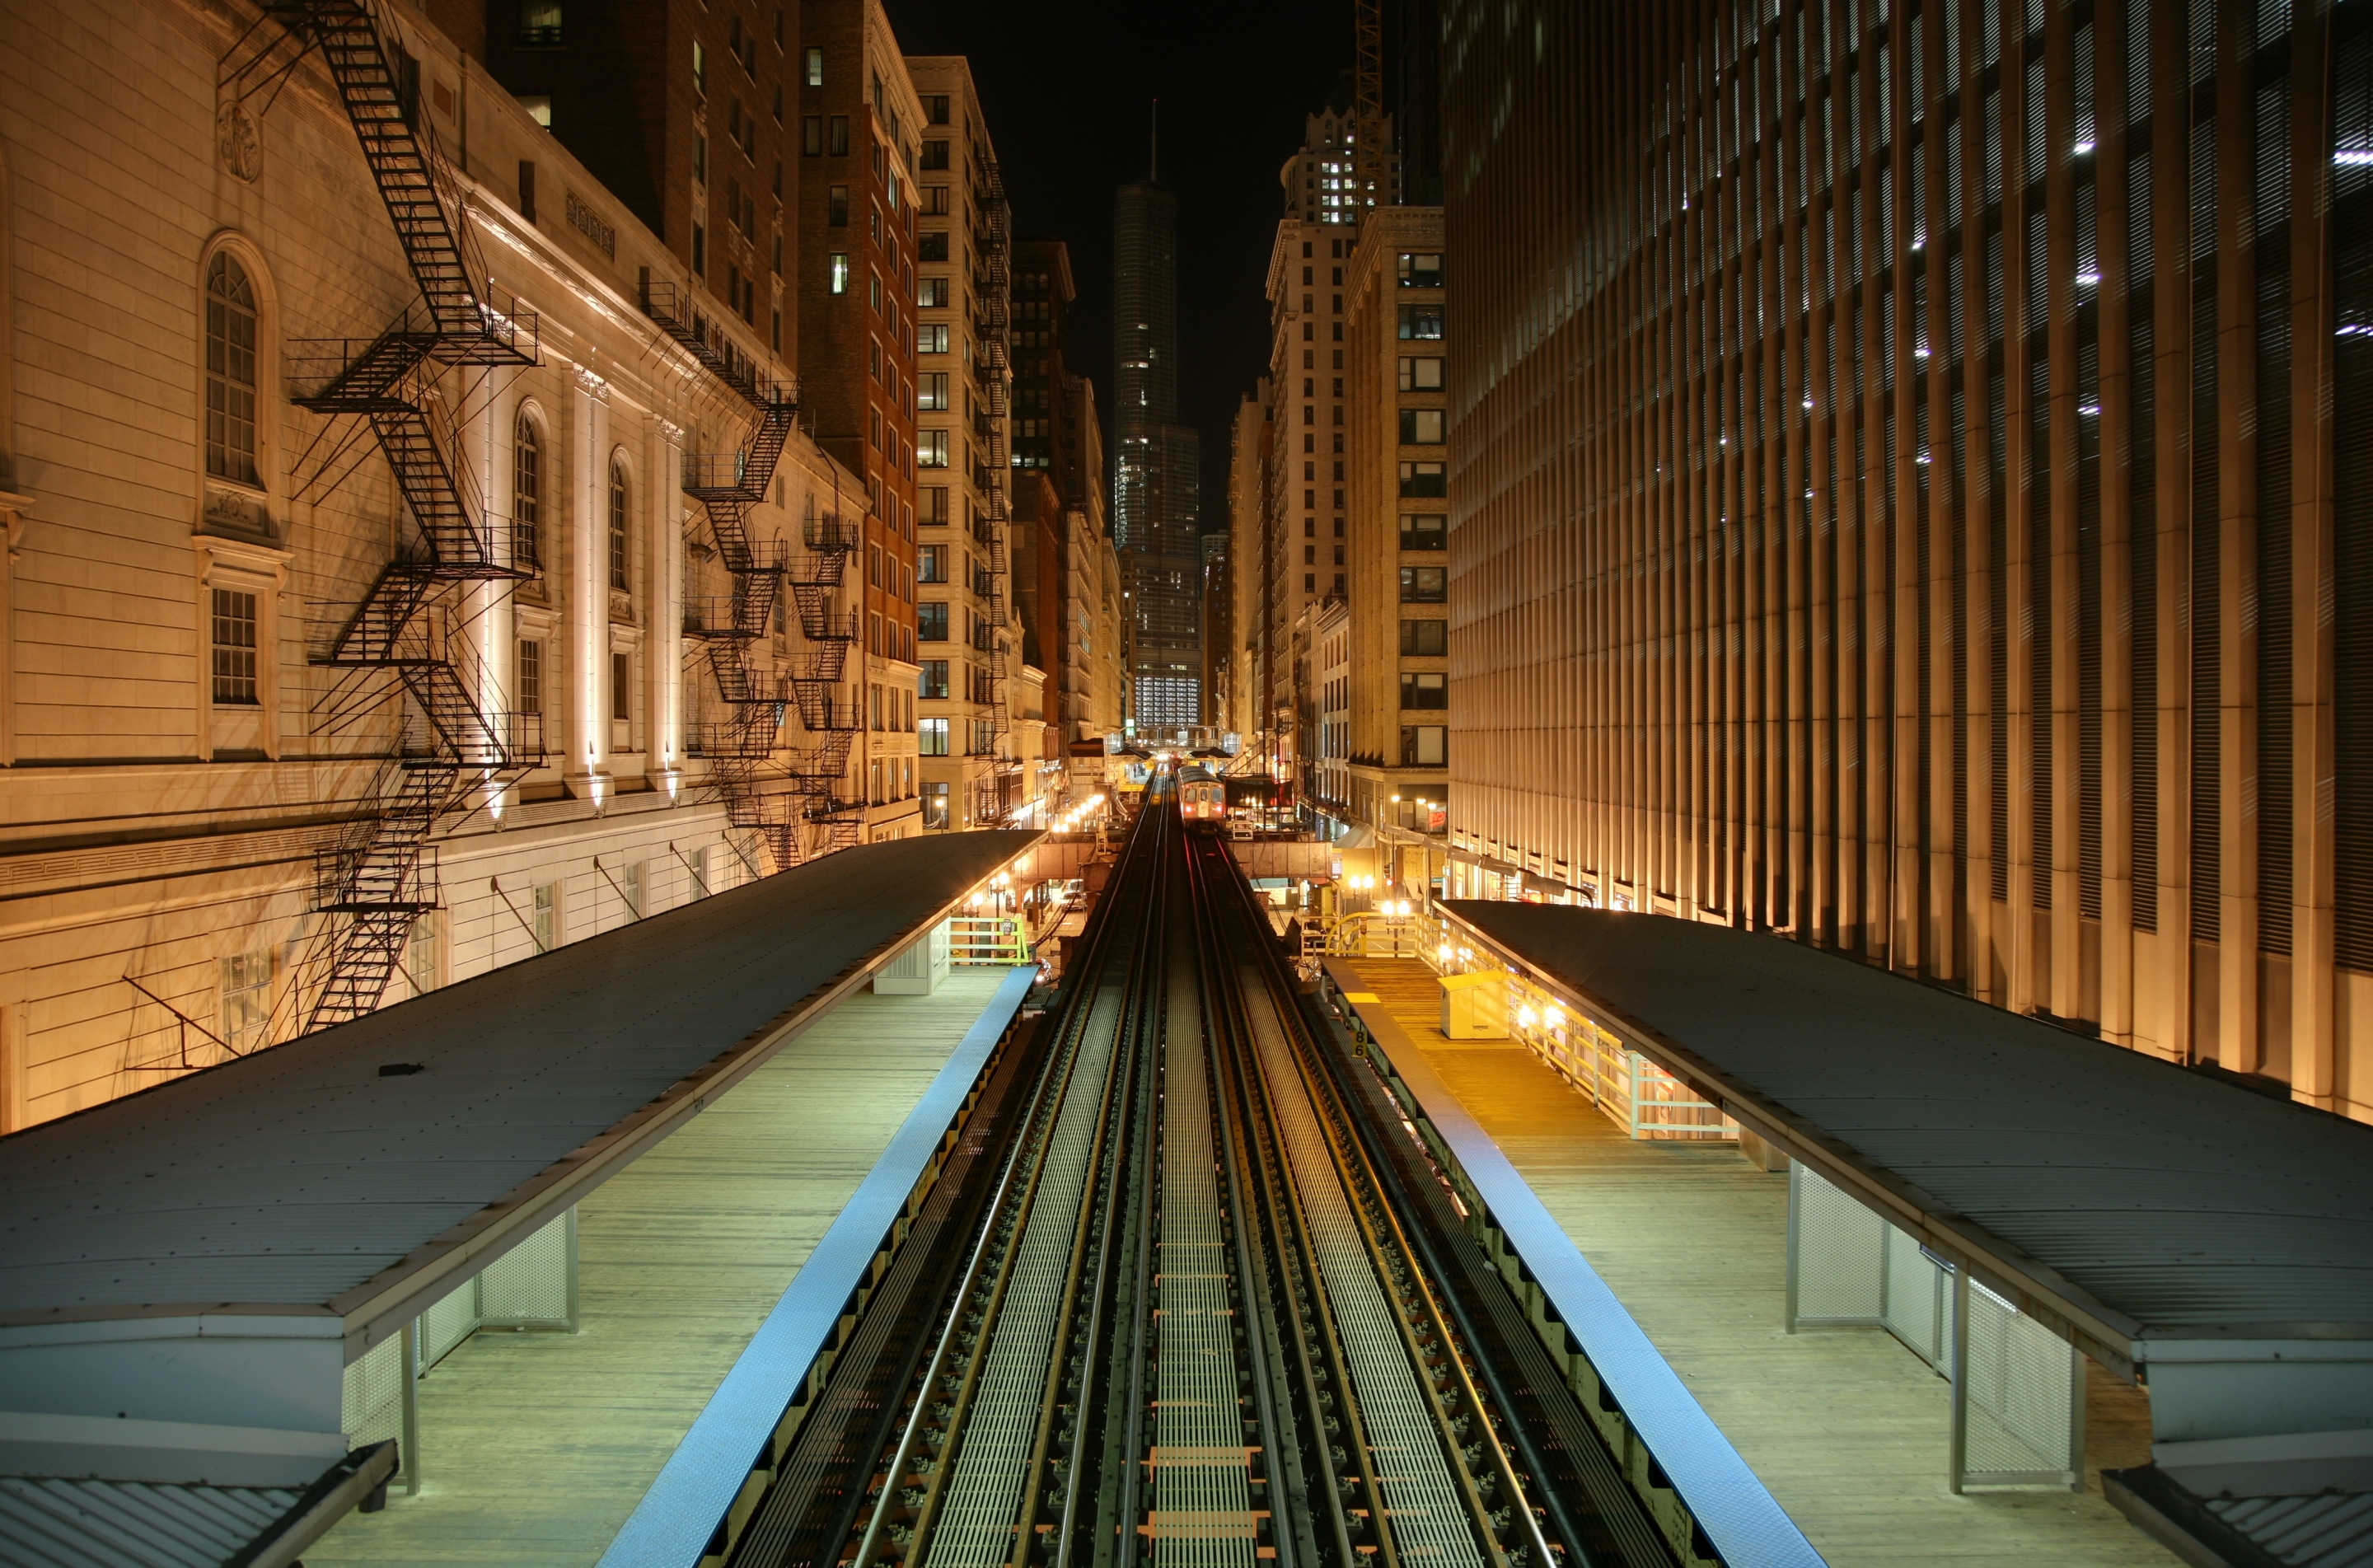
(450, 748)
(760, 796)
(1000, 792)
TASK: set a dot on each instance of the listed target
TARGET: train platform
(534, 1446)
(1845, 1426)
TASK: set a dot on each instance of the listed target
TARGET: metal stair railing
(382, 877)
(1004, 770)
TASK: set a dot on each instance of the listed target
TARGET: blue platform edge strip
(1737, 1513)
(672, 1525)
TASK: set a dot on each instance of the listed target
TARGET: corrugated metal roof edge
(2115, 1339)
(388, 1299)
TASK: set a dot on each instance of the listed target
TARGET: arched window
(527, 496)
(231, 371)
(618, 525)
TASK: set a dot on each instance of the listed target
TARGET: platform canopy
(2156, 1216)
(325, 1190)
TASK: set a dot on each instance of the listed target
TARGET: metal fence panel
(534, 1284)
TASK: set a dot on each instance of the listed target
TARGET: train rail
(1189, 1291)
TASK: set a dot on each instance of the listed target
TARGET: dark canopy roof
(2141, 1198)
(300, 1178)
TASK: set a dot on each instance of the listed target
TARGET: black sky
(1066, 85)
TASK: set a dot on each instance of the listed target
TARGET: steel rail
(1000, 1233)
(1289, 1474)
(1314, 1311)
(1381, 1230)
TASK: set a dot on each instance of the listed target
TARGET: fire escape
(410, 633)
(776, 801)
(996, 796)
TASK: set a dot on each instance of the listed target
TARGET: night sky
(1066, 85)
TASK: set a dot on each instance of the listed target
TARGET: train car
(1203, 798)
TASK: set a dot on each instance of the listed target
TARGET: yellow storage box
(1475, 1007)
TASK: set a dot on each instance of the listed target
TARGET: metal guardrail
(1699, 1491)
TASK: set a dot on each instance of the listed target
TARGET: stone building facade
(212, 704)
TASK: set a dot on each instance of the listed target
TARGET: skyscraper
(1155, 461)
(1984, 592)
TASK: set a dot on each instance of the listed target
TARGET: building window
(1420, 271)
(699, 251)
(230, 371)
(932, 737)
(622, 686)
(932, 563)
(527, 496)
(836, 269)
(247, 1001)
(544, 925)
(935, 805)
(931, 247)
(539, 25)
(1424, 640)
(931, 449)
(531, 676)
(1425, 688)
(1420, 322)
(1422, 426)
(815, 68)
(234, 647)
(699, 866)
(935, 201)
(931, 391)
(699, 68)
(931, 338)
(1425, 531)
(836, 135)
(1424, 585)
(1423, 480)
(935, 155)
(934, 679)
(935, 109)
(836, 205)
(931, 293)
(423, 955)
(1425, 745)
(934, 499)
(618, 526)
(1422, 374)
(811, 136)
(931, 623)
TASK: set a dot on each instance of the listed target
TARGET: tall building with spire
(1156, 461)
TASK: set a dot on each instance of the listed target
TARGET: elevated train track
(1189, 1291)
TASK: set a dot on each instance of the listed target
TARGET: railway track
(1189, 1293)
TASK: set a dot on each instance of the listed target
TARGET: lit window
(539, 23)
(1422, 426)
(932, 737)
(247, 1001)
(530, 676)
(231, 371)
(618, 526)
(815, 67)
(234, 647)
(1422, 375)
(836, 268)
(527, 496)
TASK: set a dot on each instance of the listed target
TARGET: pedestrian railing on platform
(987, 939)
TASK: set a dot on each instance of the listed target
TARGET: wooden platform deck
(535, 1447)
(1846, 1426)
